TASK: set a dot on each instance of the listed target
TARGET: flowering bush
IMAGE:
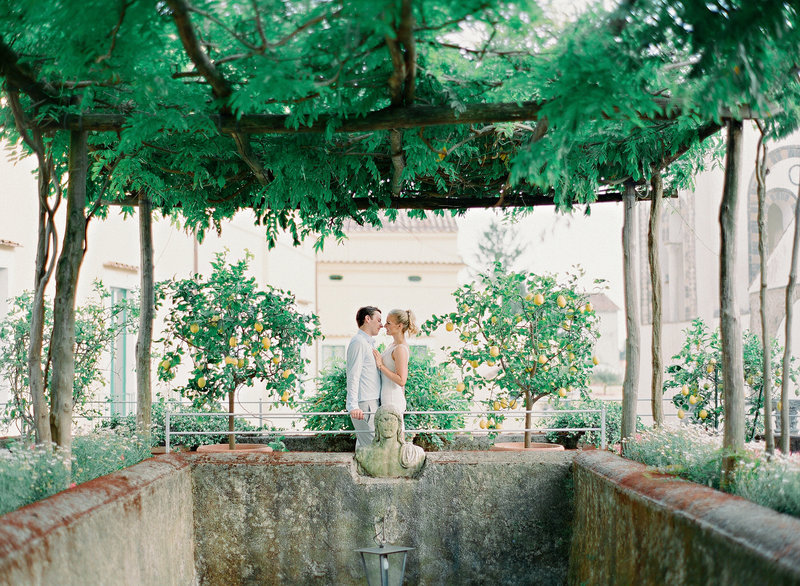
(30, 472)
(773, 483)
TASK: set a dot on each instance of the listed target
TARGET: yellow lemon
(494, 320)
(561, 301)
(194, 328)
(165, 364)
(571, 356)
(529, 297)
(240, 363)
(703, 414)
(681, 414)
(266, 343)
(710, 368)
(513, 404)
(750, 380)
(449, 326)
(589, 308)
(258, 327)
(201, 382)
(503, 403)
(461, 387)
(276, 360)
(287, 373)
(474, 363)
(693, 400)
(595, 360)
(538, 299)
(476, 343)
(490, 363)
(573, 370)
(685, 390)
(494, 351)
(285, 396)
(496, 405)
(498, 425)
(562, 392)
(232, 341)
(542, 358)
(482, 424)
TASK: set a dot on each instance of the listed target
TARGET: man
(363, 377)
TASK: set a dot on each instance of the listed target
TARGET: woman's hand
(378, 358)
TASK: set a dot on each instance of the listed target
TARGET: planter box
(633, 526)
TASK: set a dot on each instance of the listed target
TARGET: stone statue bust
(390, 456)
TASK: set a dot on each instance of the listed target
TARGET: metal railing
(168, 415)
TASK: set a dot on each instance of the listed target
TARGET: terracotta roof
(403, 223)
(602, 303)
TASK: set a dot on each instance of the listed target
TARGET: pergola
(312, 112)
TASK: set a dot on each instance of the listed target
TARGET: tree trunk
(761, 172)
(528, 418)
(62, 343)
(629, 387)
(656, 390)
(41, 415)
(144, 395)
(231, 409)
(731, 329)
(787, 351)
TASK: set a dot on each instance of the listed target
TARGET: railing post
(260, 412)
(166, 431)
(603, 444)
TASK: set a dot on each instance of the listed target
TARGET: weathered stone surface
(473, 517)
(131, 527)
(636, 527)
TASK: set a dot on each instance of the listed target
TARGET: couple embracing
(377, 380)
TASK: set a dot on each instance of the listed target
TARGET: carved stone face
(386, 425)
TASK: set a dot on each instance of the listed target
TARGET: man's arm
(355, 363)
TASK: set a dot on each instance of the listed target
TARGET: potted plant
(232, 334)
(523, 337)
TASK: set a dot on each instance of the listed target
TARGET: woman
(393, 363)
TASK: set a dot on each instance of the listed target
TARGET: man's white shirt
(363, 377)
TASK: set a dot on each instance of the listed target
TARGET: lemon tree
(232, 334)
(695, 378)
(523, 337)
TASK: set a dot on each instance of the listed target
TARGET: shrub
(430, 387)
(97, 324)
(563, 419)
(771, 483)
(31, 472)
(187, 423)
(693, 453)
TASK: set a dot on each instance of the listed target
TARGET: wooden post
(62, 342)
(657, 380)
(144, 395)
(787, 351)
(629, 387)
(761, 193)
(730, 327)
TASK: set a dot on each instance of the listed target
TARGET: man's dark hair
(363, 312)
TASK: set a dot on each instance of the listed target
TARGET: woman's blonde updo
(406, 319)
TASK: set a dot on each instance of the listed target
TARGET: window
(419, 350)
(331, 353)
(120, 361)
(335, 277)
(415, 278)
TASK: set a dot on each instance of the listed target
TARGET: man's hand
(357, 414)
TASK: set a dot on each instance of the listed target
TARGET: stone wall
(296, 518)
(633, 526)
(132, 527)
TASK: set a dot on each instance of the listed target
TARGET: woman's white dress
(391, 393)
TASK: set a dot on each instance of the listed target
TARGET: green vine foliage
(523, 337)
(695, 378)
(232, 333)
(97, 324)
(430, 387)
